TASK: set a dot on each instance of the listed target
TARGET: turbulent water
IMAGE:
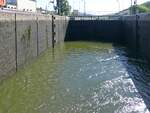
(79, 77)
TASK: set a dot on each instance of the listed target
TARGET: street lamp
(84, 7)
(47, 4)
(51, 2)
(131, 9)
(135, 6)
(59, 6)
(118, 5)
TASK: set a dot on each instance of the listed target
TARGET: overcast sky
(98, 7)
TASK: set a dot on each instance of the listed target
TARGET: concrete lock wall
(60, 28)
(44, 32)
(144, 35)
(129, 31)
(97, 30)
(137, 35)
(7, 43)
(60, 21)
(25, 36)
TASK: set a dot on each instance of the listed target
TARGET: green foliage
(143, 9)
(146, 4)
(63, 7)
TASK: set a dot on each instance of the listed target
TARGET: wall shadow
(138, 70)
(95, 30)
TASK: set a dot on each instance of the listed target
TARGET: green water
(78, 77)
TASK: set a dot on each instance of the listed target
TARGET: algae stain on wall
(26, 42)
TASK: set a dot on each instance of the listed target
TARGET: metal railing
(107, 17)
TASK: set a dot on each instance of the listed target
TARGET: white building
(26, 5)
(22, 5)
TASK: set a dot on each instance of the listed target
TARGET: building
(26, 5)
(75, 12)
(2, 3)
(22, 5)
(11, 4)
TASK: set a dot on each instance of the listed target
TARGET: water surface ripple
(79, 77)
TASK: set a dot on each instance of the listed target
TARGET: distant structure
(75, 13)
(124, 12)
(22, 5)
(128, 11)
(44, 11)
(11, 4)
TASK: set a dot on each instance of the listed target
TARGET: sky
(96, 7)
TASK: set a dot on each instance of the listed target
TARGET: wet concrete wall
(95, 30)
(25, 36)
(137, 34)
(61, 25)
(143, 35)
(129, 31)
(44, 32)
(7, 44)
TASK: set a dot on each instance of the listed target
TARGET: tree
(143, 9)
(139, 9)
(63, 7)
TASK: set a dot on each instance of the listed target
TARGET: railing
(107, 17)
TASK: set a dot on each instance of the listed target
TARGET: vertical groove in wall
(53, 33)
(37, 27)
(137, 37)
(16, 53)
(47, 35)
(58, 33)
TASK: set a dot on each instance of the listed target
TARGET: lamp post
(79, 5)
(135, 6)
(51, 2)
(47, 5)
(58, 7)
(131, 8)
(84, 7)
(118, 5)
